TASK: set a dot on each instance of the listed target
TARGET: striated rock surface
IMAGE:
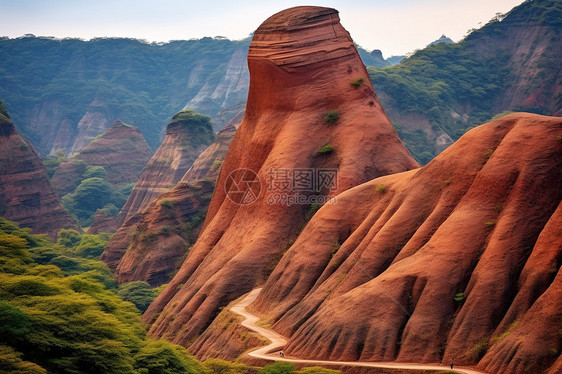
(163, 236)
(188, 134)
(310, 106)
(227, 97)
(26, 194)
(456, 261)
(156, 242)
(122, 151)
(94, 122)
(103, 222)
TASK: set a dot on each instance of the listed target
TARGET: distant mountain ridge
(511, 64)
(63, 93)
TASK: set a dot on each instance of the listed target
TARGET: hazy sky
(393, 26)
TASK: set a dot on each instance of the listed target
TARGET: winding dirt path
(271, 352)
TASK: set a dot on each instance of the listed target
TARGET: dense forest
(61, 311)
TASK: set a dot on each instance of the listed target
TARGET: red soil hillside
(157, 244)
(26, 193)
(187, 135)
(311, 107)
(456, 261)
(122, 151)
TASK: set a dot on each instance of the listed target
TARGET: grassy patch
(326, 149)
(167, 203)
(332, 116)
(216, 165)
(479, 349)
(500, 337)
(459, 297)
(381, 188)
(358, 82)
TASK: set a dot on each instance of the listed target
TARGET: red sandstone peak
(158, 240)
(26, 193)
(310, 107)
(121, 150)
(187, 135)
(301, 36)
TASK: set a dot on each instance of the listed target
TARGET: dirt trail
(271, 351)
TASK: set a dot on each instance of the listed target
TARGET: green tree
(68, 238)
(11, 362)
(139, 293)
(92, 246)
(14, 323)
(161, 357)
(94, 172)
(279, 367)
(90, 195)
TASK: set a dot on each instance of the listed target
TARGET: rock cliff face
(458, 260)
(94, 122)
(26, 194)
(122, 151)
(158, 243)
(311, 109)
(229, 94)
(187, 136)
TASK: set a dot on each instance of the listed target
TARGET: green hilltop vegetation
(61, 311)
(472, 77)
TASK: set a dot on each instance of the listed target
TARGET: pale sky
(393, 26)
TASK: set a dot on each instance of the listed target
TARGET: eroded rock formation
(188, 134)
(122, 151)
(458, 260)
(312, 107)
(156, 242)
(26, 193)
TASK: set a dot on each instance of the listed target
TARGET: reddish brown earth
(302, 65)
(26, 193)
(122, 151)
(103, 222)
(374, 277)
(154, 244)
(186, 137)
